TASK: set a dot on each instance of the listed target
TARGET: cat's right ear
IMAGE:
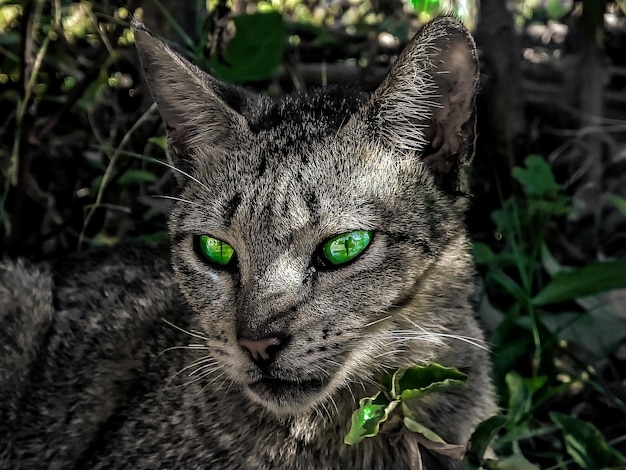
(189, 100)
(425, 105)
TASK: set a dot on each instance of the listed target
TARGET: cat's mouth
(287, 393)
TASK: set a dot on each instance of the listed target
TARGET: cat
(317, 241)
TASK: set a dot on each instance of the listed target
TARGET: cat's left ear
(425, 105)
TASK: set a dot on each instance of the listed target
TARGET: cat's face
(308, 229)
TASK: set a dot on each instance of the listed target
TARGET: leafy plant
(391, 408)
(537, 308)
(586, 445)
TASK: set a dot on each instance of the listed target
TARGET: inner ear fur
(425, 105)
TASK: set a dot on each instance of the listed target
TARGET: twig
(110, 168)
(20, 161)
(81, 87)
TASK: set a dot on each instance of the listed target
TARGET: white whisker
(172, 167)
(207, 360)
(332, 400)
(193, 347)
(330, 417)
(182, 330)
(201, 365)
(318, 413)
(387, 353)
(201, 376)
(377, 321)
(210, 383)
(465, 339)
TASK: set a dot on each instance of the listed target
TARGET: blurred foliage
(552, 326)
(82, 161)
(256, 50)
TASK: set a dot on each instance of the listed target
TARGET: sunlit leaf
(427, 433)
(429, 7)
(367, 418)
(401, 385)
(519, 398)
(418, 381)
(557, 8)
(159, 141)
(434, 442)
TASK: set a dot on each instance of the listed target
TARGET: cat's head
(318, 238)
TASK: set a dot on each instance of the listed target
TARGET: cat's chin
(284, 396)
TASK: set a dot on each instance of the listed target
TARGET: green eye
(347, 246)
(215, 250)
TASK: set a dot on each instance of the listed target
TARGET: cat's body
(113, 360)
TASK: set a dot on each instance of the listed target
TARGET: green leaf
(418, 381)
(159, 141)
(256, 50)
(586, 445)
(131, 177)
(520, 396)
(549, 262)
(537, 179)
(401, 385)
(514, 462)
(506, 219)
(94, 186)
(388, 381)
(484, 434)
(557, 8)
(423, 430)
(599, 331)
(582, 282)
(618, 202)
(367, 418)
(512, 340)
(101, 239)
(506, 282)
(483, 254)
(434, 442)
(429, 7)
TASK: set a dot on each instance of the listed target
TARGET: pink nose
(260, 349)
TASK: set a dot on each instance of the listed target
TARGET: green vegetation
(551, 325)
(401, 388)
